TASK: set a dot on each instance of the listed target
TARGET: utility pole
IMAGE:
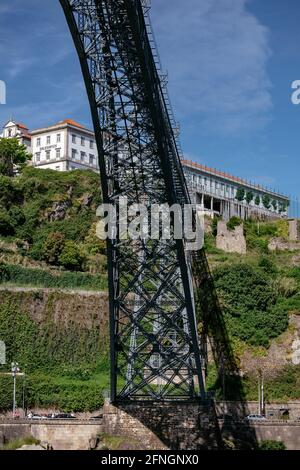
(15, 370)
(262, 395)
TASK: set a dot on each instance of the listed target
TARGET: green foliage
(267, 265)
(214, 225)
(240, 194)
(18, 443)
(210, 245)
(9, 192)
(63, 364)
(64, 394)
(71, 257)
(257, 200)
(272, 445)
(53, 247)
(233, 222)
(6, 226)
(28, 206)
(259, 234)
(266, 201)
(274, 204)
(21, 276)
(249, 196)
(282, 228)
(249, 303)
(11, 153)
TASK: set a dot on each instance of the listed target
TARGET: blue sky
(230, 64)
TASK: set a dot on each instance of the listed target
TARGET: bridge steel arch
(155, 349)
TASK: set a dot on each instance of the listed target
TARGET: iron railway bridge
(159, 292)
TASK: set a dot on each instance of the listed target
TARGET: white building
(217, 193)
(64, 146)
(17, 130)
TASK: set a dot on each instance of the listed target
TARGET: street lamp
(14, 370)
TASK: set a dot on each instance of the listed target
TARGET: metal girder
(155, 349)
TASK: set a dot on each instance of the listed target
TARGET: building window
(92, 159)
(83, 141)
(9, 133)
(74, 152)
(82, 156)
(48, 139)
(47, 154)
(57, 153)
(58, 138)
(38, 157)
(91, 144)
(57, 168)
(38, 142)
(73, 138)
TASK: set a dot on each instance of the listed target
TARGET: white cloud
(216, 52)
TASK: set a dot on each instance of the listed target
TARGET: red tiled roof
(22, 126)
(72, 123)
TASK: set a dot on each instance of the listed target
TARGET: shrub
(233, 222)
(53, 247)
(267, 265)
(71, 257)
(271, 445)
(257, 200)
(285, 286)
(6, 226)
(66, 280)
(249, 303)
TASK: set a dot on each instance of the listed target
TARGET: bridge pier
(160, 426)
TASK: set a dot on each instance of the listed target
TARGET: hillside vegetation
(47, 239)
(48, 221)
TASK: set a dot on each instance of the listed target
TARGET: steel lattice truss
(155, 351)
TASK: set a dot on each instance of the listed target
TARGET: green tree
(250, 303)
(53, 247)
(249, 196)
(12, 153)
(71, 257)
(6, 226)
(257, 200)
(274, 204)
(266, 201)
(240, 194)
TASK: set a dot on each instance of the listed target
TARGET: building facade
(221, 194)
(64, 146)
(68, 145)
(19, 131)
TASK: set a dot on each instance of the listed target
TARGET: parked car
(63, 416)
(256, 418)
(36, 416)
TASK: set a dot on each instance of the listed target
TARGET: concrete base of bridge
(159, 426)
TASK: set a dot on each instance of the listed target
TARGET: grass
(119, 442)
(18, 443)
(13, 276)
